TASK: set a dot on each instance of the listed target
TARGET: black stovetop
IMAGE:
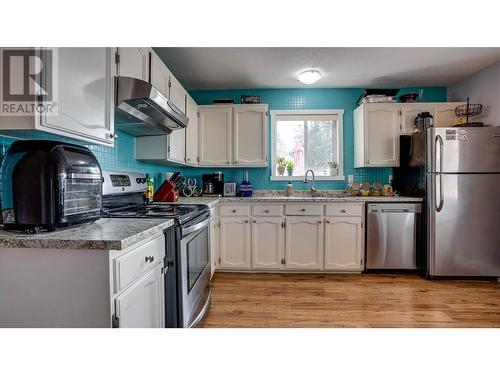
(180, 212)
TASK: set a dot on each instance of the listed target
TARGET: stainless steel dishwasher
(391, 236)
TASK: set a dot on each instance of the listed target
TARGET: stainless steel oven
(194, 268)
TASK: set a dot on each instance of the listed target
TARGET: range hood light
(309, 77)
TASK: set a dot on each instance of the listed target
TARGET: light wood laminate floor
(322, 300)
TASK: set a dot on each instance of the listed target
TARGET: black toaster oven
(52, 184)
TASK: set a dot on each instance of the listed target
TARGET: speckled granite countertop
(104, 234)
(212, 201)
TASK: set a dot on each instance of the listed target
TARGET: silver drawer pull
(149, 258)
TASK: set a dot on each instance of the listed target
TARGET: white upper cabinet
(409, 112)
(268, 243)
(142, 304)
(177, 94)
(250, 128)
(192, 132)
(85, 98)
(304, 243)
(343, 244)
(160, 75)
(133, 62)
(376, 135)
(176, 150)
(214, 136)
(233, 135)
(235, 243)
(444, 114)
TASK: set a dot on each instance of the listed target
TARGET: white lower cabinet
(142, 304)
(214, 244)
(234, 243)
(304, 243)
(268, 237)
(343, 243)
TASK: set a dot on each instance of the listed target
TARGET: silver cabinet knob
(246, 221)
(149, 258)
(320, 222)
(303, 209)
(255, 221)
(343, 211)
(327, 221)
(228, 162)
(266, 211)
(234, 211)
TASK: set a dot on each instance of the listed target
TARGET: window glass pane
(290, 144)
(319, 146)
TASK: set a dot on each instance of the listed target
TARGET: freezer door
(463, 235)
(463, 150)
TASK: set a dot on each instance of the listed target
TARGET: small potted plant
(281, 165)
(289, 167)
(334, 168)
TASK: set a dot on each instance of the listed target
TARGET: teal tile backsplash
(122, 155)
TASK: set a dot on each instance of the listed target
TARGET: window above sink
(307, 139)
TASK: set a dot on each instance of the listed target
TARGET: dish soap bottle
(245, 186)
(289, 189)
(150, 189)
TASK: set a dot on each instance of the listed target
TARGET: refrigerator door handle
(439, 141)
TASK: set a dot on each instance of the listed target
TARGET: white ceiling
(225, 68)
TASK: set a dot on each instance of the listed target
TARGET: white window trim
(340, 136)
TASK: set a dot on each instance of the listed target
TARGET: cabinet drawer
(267, 210)
(234, 210)
(341, 209)
(131, 265)
(304, 209)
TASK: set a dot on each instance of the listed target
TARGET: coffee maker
(213, 183)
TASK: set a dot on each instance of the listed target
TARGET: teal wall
(282, 99)
(121, 157)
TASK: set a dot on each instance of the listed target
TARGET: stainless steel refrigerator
(462, 169)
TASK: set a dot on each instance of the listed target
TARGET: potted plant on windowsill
(281, 165)
(289, 167)
(334, 168)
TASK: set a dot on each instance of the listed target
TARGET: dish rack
(469, 110)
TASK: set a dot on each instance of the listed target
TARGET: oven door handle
(195, 227)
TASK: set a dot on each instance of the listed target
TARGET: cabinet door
(85, 95)
(343, 243)
(304, 243)
(409, 113)
(214, 244)
(142, 304)
(444, 114)
(177, 94)
(177, 146)
(133, 62)
(234, 243)
(381, 135)
(192, 132)
(214, 137)
(267, 243)
(250, 135)
(159, 75)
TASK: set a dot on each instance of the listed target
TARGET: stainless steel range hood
(146, 110)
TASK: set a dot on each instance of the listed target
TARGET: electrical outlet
(390, 178)
(350, 179)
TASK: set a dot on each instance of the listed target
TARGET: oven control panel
(123, 182)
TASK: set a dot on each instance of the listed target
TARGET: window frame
(340, 136)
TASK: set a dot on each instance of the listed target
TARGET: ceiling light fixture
(309, 77)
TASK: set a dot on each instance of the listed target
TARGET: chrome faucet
(313, 187)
